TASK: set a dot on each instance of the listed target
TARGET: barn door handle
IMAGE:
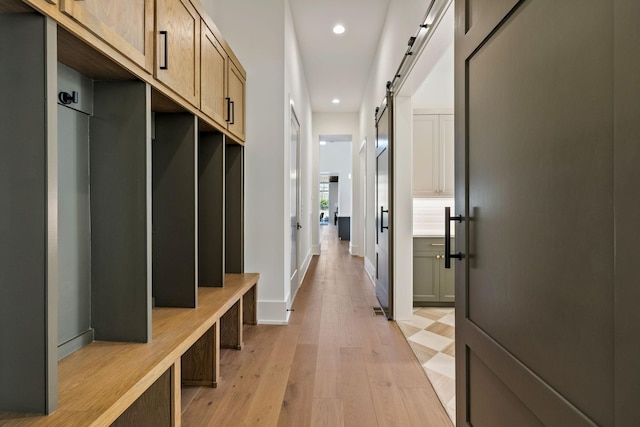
(382, 212)
(447, 237)
(165, 36)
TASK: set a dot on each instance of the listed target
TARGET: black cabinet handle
(447, 237)
(228, 119)
(233, 113)
(382, 212)
(165, 36)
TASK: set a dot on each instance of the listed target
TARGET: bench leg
(176, 395)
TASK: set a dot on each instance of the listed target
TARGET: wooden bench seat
(101, 381)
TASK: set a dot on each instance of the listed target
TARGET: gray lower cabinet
(432, 283)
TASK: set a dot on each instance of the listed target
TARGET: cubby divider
(120, 140)
(174, 218)
(234, 208)
(211, 212)
(28, 225)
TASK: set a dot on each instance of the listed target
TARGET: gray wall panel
(74, 226)
(69, 81)
(121, 303)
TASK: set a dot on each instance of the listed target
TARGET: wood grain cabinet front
(213, 77)
(222, 86)
(177, 36)
(236, 97)
(127, 25)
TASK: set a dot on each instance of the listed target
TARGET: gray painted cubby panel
(211, 172)
(120, 211)
(28, 372)
(234, 209)
(174, 210)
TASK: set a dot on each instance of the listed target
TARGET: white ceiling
(337, 66)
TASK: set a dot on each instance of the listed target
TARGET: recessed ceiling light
(338, 29)
(336, 101)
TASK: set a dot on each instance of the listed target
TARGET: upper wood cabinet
(177, 36)
(235, 98)
(213, 78)
(127, 25)
(222, 90)
(433, 169)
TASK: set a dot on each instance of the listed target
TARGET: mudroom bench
(114, 383)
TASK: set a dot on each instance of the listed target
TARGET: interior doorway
(335, 184)
(294, 206)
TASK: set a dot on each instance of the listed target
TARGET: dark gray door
(384, 279)
(537, 142)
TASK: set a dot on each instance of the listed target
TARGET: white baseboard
(370, 269)
(354, 250)
(304, 267)
(273, 313)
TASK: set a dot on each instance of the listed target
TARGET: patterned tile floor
(431, 334)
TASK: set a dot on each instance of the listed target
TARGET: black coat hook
(68, 98)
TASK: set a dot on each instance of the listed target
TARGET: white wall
(297, 96)
(262, 37)
(340, 124)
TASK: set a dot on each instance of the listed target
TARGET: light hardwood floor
(335, 364)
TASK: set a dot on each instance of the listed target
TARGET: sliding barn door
(384, 211)
(545, 143)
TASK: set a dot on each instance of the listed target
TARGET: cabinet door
(447, 284)
(425, 155)
(236, 94)
(425, 276)
(126, 25)
(213, 78)
(177, 62)
(446, 162)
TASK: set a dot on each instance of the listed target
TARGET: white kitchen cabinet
(433, 170)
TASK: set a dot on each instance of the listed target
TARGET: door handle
(165, 36)
(447, 237)
(228, 109)
(298, 226)
(233, 113)
(382, 212)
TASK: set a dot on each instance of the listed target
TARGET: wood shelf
(100, 381)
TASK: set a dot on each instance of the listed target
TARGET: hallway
(336, 363)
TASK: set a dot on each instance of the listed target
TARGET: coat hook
(68, 98)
